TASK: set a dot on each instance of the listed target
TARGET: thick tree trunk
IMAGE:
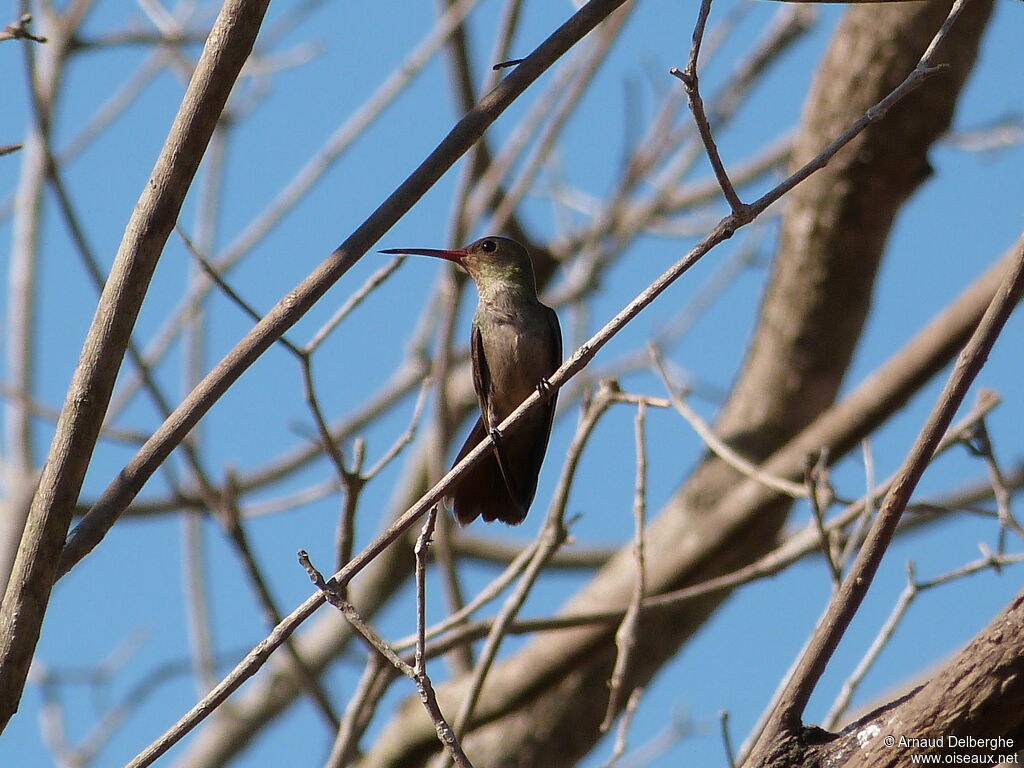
(974, 705)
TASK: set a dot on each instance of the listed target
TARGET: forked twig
(815, 470)
(688, 77)
(718, 446)
(619, 748)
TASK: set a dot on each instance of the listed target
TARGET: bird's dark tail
(483, 492)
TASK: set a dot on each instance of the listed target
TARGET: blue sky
(956, 225)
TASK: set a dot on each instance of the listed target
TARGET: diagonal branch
(785, 721)
(298, 301)
(25, 601)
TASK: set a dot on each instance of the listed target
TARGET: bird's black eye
(488, 246)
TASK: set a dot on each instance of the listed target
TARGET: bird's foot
(496, 436)
(544, 387)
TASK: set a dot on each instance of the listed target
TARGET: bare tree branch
(94, 526)
(783, 725)
(49, 518)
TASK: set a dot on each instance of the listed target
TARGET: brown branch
(18, 30)
(625, 636)
(978, 693)
(445, 733)
(784, 724)
(287, 312)
(35, 569)
(688, 76)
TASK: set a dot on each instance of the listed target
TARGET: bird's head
(489, 261)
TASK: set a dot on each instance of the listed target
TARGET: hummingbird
(516, 344)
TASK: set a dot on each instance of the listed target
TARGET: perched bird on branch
(516, 345)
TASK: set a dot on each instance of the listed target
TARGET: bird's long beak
(456, 256)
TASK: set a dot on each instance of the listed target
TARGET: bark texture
(979, 694)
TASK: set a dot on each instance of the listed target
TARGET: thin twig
(372, 685)
(816, 469)
(352, 485)
(353, 301)
(730, 753)
(855, 537)
(215, 277)
(807, 539)
(420, 551)
(619, 749)
(18, 30)
(406, 437)
(980, 444)
(445, 734)
(688, 77)
(716, 444)
(625, 636)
